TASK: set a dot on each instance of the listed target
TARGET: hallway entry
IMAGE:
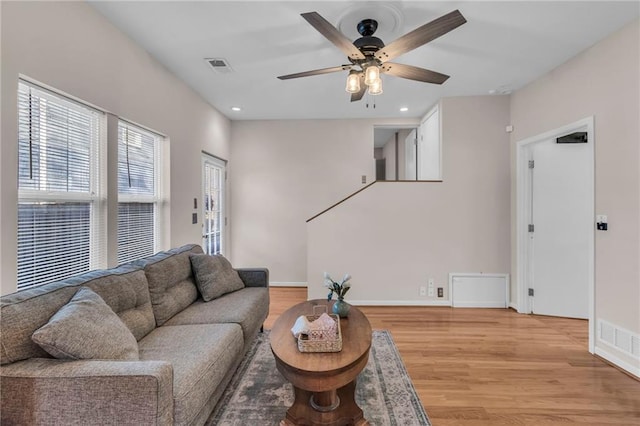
(556, 222)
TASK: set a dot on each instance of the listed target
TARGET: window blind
(136, 160)
(54, 242)
(137, 192)
(136, 231)
(57, 187)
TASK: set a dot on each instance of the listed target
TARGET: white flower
(340, 288)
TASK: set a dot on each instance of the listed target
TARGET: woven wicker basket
(321, 340)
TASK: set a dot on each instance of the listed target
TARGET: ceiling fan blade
(315, 72)
(421, 35)
(414, 73)
(332, 34)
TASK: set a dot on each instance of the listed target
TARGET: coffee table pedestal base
(346, 413)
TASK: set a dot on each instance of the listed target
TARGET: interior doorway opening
(389, 151)
(409, 153)
(555, 196)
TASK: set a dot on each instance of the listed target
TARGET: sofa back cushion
(124, 289)
(87, 328)
(214, 276)
(171, 283)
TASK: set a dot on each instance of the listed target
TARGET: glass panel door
(213, 223)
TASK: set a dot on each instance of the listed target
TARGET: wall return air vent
(219, 65)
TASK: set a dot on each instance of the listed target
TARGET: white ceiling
(502, 47)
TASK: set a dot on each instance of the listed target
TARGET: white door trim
(522, 208)
(222, 165)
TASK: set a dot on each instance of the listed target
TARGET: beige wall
(394, 236)
(70, 47)
(286, 171)
(603, 82)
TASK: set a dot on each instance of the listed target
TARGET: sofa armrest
(254, 277)
(51, 391)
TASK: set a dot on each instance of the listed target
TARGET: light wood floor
(498, 367)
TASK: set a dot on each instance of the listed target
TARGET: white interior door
(410, 171)
(213, 208)
(562, 215)
(429, 148)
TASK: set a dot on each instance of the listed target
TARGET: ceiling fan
(369, 57)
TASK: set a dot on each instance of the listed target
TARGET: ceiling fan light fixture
(371, 74)
(375, 88)
(353, 82)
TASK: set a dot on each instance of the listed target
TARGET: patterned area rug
(258, 394)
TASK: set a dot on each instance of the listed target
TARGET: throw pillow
(87, 328)
(214, 276)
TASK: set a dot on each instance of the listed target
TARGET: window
(60, 210)
(138, 164)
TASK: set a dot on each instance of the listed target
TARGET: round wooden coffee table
(324, 383)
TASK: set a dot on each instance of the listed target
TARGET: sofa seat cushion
(201, 355)
(87, 328)
(248, 307)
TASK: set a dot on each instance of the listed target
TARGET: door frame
(222, 164)
(523, 207)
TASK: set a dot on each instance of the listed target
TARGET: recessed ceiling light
(236, 109)
(404, 109)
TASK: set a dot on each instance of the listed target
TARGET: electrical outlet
(430, 292)
(440, 292)
(430, 282)
(423, 290)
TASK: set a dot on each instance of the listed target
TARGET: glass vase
(341, 308)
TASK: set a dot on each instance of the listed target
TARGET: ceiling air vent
(219, 65)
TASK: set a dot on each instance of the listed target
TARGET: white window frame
(155, 199)
(96, 195)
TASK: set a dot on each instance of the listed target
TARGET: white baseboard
(287, 284)
(635, 370)
(485, 304)
(514, 306)
(399, 302)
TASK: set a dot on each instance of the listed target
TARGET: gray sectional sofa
(187, 349)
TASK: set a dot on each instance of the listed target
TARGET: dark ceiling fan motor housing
(368, 44)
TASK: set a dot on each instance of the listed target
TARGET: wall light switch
(601, 222)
